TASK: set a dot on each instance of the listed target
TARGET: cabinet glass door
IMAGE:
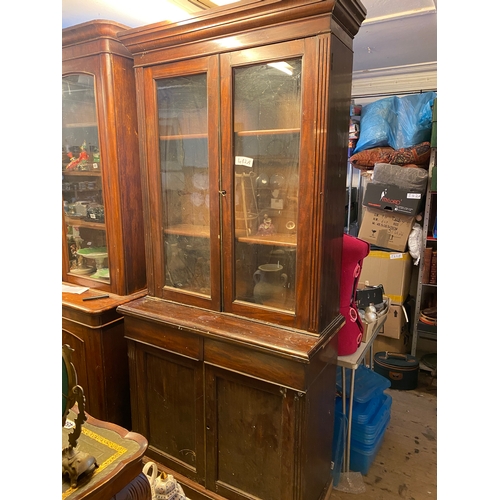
(183, 149)
(84, 217)
(266, 142)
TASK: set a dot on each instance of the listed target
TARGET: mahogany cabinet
(102, 216)
(103, 229)
(243, 127)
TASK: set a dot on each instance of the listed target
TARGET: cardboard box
(369, 328)
(392, 270)
(396, 322)
(387, 344)
(391, 198)
(386, 230)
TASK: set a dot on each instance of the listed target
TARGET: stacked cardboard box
(393, 271)
(392, 200)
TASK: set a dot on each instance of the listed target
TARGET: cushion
(414, 155)
(365, 160)
(418, 155)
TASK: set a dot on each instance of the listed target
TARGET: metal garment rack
(352, 362)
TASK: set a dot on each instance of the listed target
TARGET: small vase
(270, 285)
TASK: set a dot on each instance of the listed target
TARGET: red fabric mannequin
(354, 251)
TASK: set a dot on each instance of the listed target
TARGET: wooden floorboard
(406, 465)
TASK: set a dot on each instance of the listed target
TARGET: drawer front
(164, 337)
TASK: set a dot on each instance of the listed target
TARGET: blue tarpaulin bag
(398, 122)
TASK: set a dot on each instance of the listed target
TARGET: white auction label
(396, 256)
(243, 160)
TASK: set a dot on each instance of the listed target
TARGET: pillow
(365, 160)
(416, 155)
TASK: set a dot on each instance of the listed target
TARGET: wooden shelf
(80, 222)
(284, 240)
(188, 230)
(182, 137)
(81, 125)
(274, 131)
(83, 173)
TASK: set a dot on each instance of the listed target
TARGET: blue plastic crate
(368, 419)
(362, 459)
(361, 412)
(364, 436)
(367, 383)
(369, 423)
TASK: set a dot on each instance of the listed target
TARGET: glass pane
(266, 174)
(182, 124)
(81, 180)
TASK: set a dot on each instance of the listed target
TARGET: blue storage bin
(362, 413)
(364, 436)
(367, 383)
(369, 423)
(362, 459)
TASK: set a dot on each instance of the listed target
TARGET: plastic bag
(414, 120)
(377, 119)
(415, 243)
(397, 122)
(351, 482)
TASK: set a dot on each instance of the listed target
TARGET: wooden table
(118, 453)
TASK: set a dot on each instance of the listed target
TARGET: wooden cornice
(92, 37)
(220, 22)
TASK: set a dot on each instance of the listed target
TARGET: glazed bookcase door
(262, 167)
(183, 171)
(86, 250)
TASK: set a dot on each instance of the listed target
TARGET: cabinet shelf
(188, 230)
(242, 133)
(181, 137)
(284, 240)
(80, 125)
(76, 221)
(83, 173)
(278, 131)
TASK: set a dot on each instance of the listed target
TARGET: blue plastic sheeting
(397, 122)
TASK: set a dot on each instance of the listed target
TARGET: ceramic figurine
(267, 227)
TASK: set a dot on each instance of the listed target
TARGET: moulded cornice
(91, 30)
(93, 37)
(223, 21)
